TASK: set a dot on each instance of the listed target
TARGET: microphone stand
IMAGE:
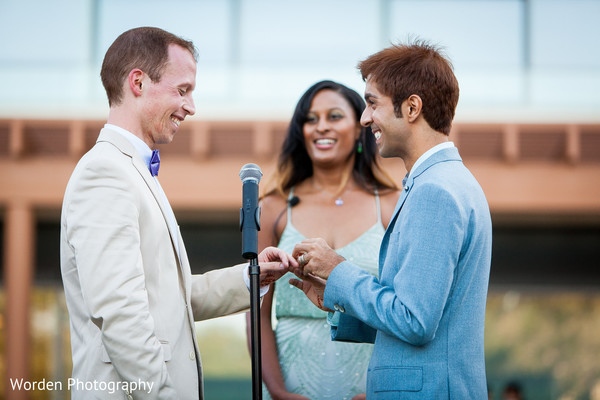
(250, 225)
(254, 270)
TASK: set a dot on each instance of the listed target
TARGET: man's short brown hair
(417, 68)
(146, 48)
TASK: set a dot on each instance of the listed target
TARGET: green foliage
(228, 389)
(548, 342)
(223, 348)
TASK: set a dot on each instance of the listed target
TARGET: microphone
(250, 175)
(293, 201)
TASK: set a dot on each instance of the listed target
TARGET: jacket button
(339, 308)
(192, 355)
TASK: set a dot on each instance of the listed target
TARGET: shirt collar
(429, 153)
(140, 146)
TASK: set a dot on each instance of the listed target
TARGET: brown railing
(570, 143)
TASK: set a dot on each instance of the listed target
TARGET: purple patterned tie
(154, 162)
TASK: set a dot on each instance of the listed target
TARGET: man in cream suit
(131, 297)
(426, 311)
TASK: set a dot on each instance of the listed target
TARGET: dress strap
(378, 205)
(289, 205)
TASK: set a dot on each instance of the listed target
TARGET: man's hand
(312, 286)
(316, 257)
(274, 263)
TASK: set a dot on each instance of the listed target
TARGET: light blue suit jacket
(426, 311)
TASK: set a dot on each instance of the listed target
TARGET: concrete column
(16, 143)
(76, 139)
(200, 140)
(510, 143)
(262, 142)
(573, 144)
(19, 239)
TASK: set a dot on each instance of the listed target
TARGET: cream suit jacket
(132, 299)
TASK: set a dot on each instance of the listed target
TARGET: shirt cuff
(263, 289)
(333, 318)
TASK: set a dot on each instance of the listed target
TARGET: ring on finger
(301, 260)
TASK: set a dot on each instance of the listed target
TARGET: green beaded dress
(312, 364)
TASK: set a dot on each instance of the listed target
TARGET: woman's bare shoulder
(272, 219)
(272, 204)
(389, 195)
(273, 200)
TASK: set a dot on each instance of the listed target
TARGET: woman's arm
(272, 224)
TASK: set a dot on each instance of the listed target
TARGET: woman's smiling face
(331, 128)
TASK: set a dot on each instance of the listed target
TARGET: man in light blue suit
(426, 311)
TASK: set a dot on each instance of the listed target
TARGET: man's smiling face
(390, 131)
(169, 100)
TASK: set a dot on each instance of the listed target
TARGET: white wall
(258, 56)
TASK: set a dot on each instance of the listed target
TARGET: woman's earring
(359, 148)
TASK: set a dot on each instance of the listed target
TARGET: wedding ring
(301, 260)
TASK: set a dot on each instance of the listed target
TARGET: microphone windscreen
(250, 172)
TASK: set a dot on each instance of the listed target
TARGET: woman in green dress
(328, 184)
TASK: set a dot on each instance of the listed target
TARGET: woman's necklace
(338, 201)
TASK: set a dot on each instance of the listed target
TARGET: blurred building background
(527, 125)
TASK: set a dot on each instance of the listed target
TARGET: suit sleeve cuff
(333, 318)
(336, 286)
(263, 289)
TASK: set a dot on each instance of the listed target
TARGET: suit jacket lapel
(126, 148)
(386, 237)
(450, 154)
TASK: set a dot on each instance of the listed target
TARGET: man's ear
(136, 76)
(414, 105)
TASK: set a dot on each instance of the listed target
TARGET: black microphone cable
(291, 202)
